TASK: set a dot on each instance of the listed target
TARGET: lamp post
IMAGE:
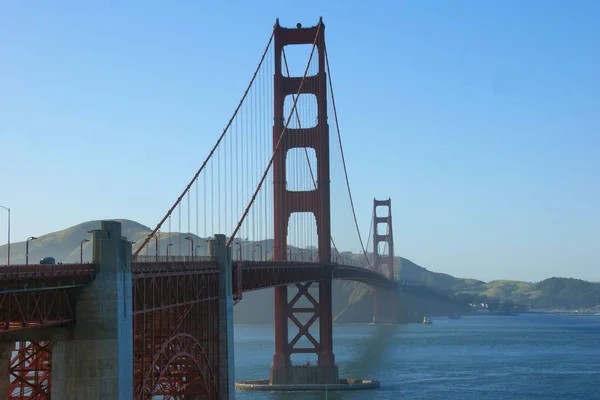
(81, 250)
(289, 257)
(169, 246)
(192, 244)
(239, 250)
(261, 251)
(196, 250)
(156, 248)
(29, 239)
(8, 255)
(266, 255)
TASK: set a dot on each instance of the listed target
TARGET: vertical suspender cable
(162, 221)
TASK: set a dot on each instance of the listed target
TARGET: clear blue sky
(480, 119)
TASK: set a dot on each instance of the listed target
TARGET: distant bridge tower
(383, 263)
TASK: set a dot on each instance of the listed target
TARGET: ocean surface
(530, 356)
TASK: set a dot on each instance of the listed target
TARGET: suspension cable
(264, 176)
(370, 228)
(337, 126)
(159, 225)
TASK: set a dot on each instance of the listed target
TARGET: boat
(426, 320)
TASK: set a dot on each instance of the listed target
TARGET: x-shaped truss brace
(304, 329)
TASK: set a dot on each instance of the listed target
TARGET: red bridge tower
(383, 262)
(287, 202)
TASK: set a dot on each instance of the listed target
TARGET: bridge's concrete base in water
(343, 384)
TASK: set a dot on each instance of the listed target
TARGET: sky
(479, 119)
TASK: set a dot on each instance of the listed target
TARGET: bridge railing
(170, 265)
(341, 260)
(171, 259)
(41, 271)
(336, 259)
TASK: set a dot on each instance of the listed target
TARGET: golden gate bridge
(138, 324)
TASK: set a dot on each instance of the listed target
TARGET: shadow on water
(371, 351)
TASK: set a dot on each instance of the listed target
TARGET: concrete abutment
(95, 360)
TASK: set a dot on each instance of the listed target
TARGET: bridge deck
(36, 296)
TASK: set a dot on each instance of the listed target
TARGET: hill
(352, 302)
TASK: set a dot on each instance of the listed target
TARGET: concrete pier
(222, 253)
(95, 360)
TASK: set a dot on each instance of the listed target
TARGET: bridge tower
(287, 202)
(383, 263)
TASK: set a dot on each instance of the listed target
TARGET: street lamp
(239, 250)
(168, 246)
(29, 239)
(195, 250)
(192, 244)
(266, 255)
(156, 250)
(261, 251)
(8, 256)
(81, 250)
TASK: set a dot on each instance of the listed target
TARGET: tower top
(298, 25)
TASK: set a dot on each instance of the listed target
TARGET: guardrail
(171, 259)
(38, 271)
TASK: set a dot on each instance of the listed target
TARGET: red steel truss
(176, 330)
(39, 296)
(22, 309)
(30, 371)
(33, 297)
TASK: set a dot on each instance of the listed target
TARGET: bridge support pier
(5, 355)
(385, 306)
(95, 360)
(222, 253)
(283, 372)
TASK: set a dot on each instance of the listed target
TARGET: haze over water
(482, 357)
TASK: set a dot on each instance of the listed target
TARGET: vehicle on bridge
(48, 261)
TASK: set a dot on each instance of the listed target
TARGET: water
(479, 357)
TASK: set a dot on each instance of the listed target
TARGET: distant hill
(352, 302)
(65, 245)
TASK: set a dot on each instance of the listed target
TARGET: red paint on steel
(383, 262)
(316, 201)
(30, 371)
(176, 330)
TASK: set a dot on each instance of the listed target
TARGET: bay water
(530, 356)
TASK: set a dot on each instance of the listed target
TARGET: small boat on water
(426, 320)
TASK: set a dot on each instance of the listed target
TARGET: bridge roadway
(38, 296)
